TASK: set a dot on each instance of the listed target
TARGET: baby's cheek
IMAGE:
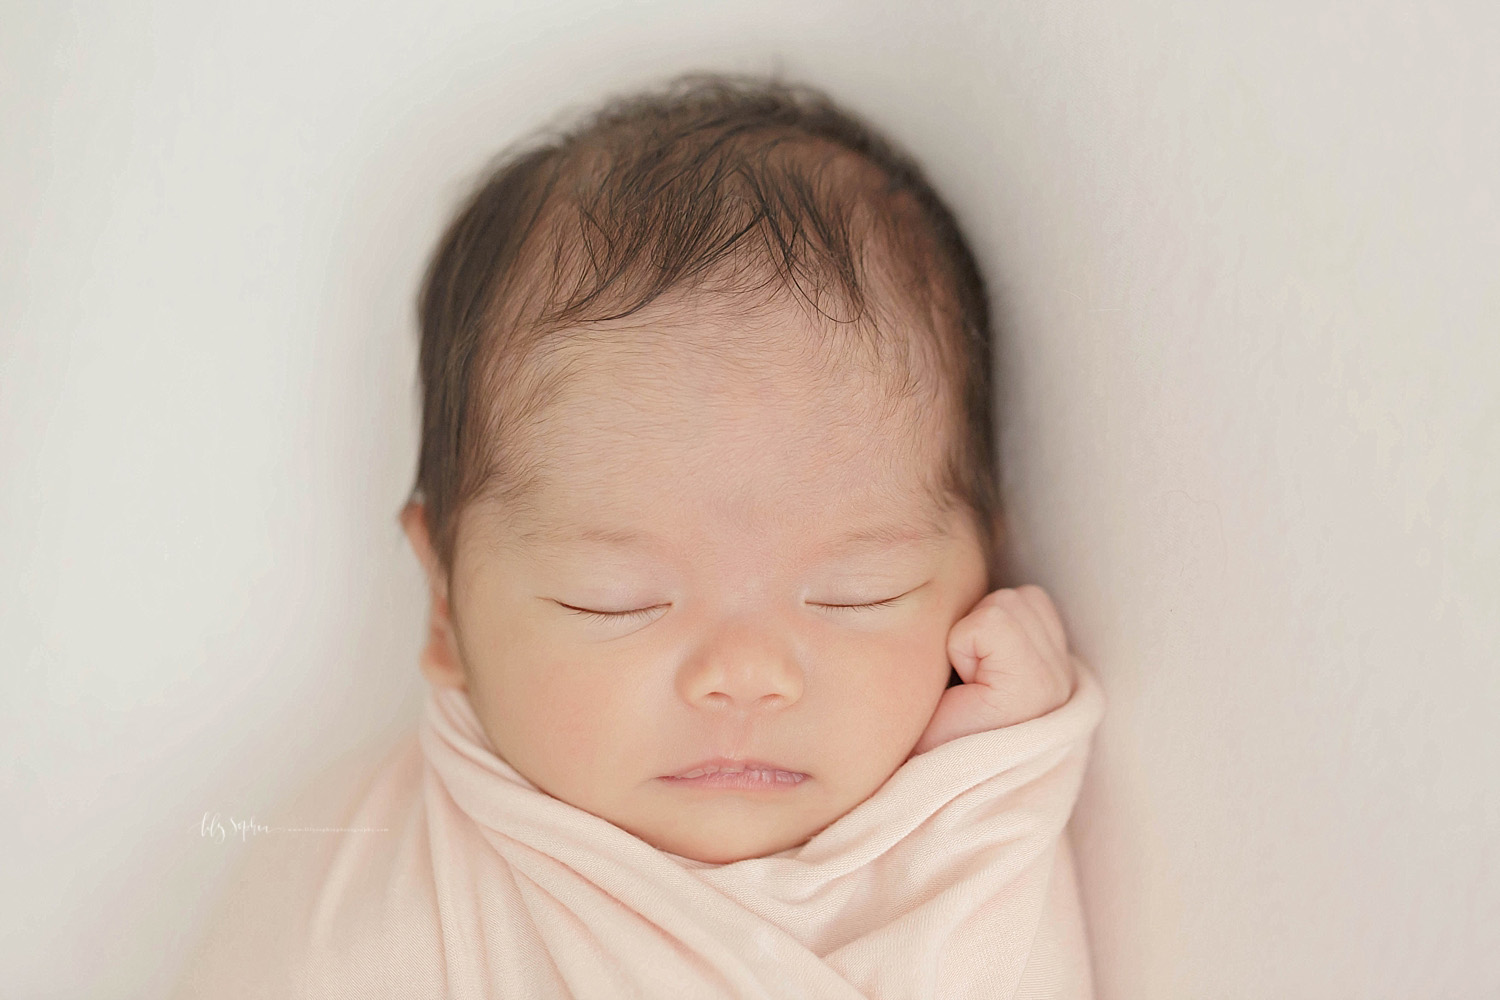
(573, 713)
(918, 656)
(900, 679)
(543, 719)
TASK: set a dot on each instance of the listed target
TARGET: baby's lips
(716, 765)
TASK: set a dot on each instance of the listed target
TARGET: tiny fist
(1011, 653)
(1017, 652)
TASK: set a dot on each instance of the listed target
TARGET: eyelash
(610, 616)
(863, 607)
(605, 616)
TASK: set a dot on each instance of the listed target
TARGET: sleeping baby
(724, 697)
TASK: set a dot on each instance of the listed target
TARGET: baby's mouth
(737, 774)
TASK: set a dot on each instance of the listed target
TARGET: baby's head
(707, 467)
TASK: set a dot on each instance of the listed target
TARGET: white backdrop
(1248, 261)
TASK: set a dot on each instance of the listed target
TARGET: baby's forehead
(674, 375)
(697, 338)
(780, 478)
(654, 421)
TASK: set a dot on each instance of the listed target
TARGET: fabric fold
(954, 879)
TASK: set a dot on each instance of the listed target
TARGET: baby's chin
(722, 827)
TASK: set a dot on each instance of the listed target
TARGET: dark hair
(729, 185)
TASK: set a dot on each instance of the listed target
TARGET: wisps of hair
(736, 186)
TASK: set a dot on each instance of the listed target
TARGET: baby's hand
(1012, 655)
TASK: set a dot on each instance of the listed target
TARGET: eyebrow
(924, 530)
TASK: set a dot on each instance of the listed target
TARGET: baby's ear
(440, 660)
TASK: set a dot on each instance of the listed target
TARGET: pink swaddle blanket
(955, 879)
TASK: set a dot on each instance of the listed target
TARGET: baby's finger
(1046, 611)
(989, 633)
(1019, 606)
(1060, 665)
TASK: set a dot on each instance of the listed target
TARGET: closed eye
(888, 602)
(611, 615)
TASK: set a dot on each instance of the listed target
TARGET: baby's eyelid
(869, 604)
(640, 611)
(637, 612)
(611, 614)
(864, 605)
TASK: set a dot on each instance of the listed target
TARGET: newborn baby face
(725, 559)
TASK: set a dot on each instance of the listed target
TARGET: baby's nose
(745, 667)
